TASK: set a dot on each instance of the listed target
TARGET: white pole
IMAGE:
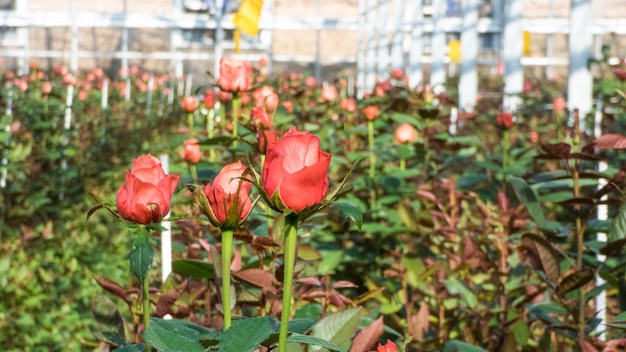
(438, 48)
(67, 123)
(601, 236)
(579, 87)
(468, 83)
(370, 55)
(360, 61)
(382, 47)
(415, 16)
(397, 39)
(318, 47)
(188, 84)
(218, 51)
(74, 43)
(454, 117)
(7, 128)
(166, 235)
(105, 93)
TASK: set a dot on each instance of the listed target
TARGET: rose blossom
(191, 151)
(295, 171)
(260, 117)
(265, 138)
(189, 103)
(505, 120)
(234, 75)
(266, 96)
(147, 193)
(209, 99)
(329, 93)
(348, 104)
(229, 197)
(371, 112)
(405, 133)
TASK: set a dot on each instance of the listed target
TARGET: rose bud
(260, 117)
(266, 96)
(147, 193)
(209, 99)
(265, 138)
(388, 347)
(405, 133)
(348, 104)
(397, 74)
(371, 112)
(189, 104)
(505, 120)
(229, 197)
(558, 104)
(46, 87)
(191, 151)
(329, 93)
(234, 75)
(295, 171)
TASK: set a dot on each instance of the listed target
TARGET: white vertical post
(438, 48)
(318, 48)
(105, 93)
(370, 56)
(74, 42)
(188, 84)
(125, 51)
(218, 51)
(166, 235)
(360, 59)
(397, 39)
(454, 117)
(23, 34)
(67, 123)
(265, 35)
(549, 42)
(415, 16)
(382, 48)
(601, 236)
(468, 85)
(579, 87)
(127, 90)
(176, 38)
(512, 48)
(7, 128)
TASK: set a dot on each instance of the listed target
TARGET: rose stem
(291, 229)
(227, 249)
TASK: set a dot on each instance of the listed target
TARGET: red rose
(388, 347)
(209, 99)
(260, 117)
(371, 112)
(229, 197)
(265, 96)
(46, 87)
(397, 74)
(405, 133)
(234, 75)
(505, 120)
(147, 193)
(348, 104)
(189, 103)
(295, 171)
(329, 93)
(191, 151)
(265, 138)
(558, 104)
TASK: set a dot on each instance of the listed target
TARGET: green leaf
(458, 346)
(141, 255)
(246, 335)
(300, 325)
(455, 287)
(338, 328)
(131, 348)
(312, 340)
(193, 268)
(351, 212)
(330, 261)
(575, 280)
(527, 197)
(617, 231)
(175, 335)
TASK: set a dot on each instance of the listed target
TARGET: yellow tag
(454, 50)
(236, 38)
(526, 41)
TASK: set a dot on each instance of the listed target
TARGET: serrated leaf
(528, 197)
(575, 280)
(315, 341)
(141, 255)
(351, 212)
(175, 335)
(540, 253)
(106, 315)
(193, 268)
(246, 335)
(367, 338)
(131, 348)
(338, 328)
(114, 338)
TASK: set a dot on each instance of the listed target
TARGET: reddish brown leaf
(368, 337)
(235, 265)
(257, 277)
(586, 346)
(243, 234)
(166, 301)
(112, 287)
(420, 323)
(261, 241)
(557, 150)
(344, 284)
(610, 141)
(427, 195)
(310, 280)
(314, 294)
(337, 300)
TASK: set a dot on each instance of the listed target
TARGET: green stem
(505, 153)
(227, 250)
(426, 154)
(291, 239)
(190, 122)
(402, 164)
(236, 103)
(146, 308)
(579, 253)
(372, 171)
